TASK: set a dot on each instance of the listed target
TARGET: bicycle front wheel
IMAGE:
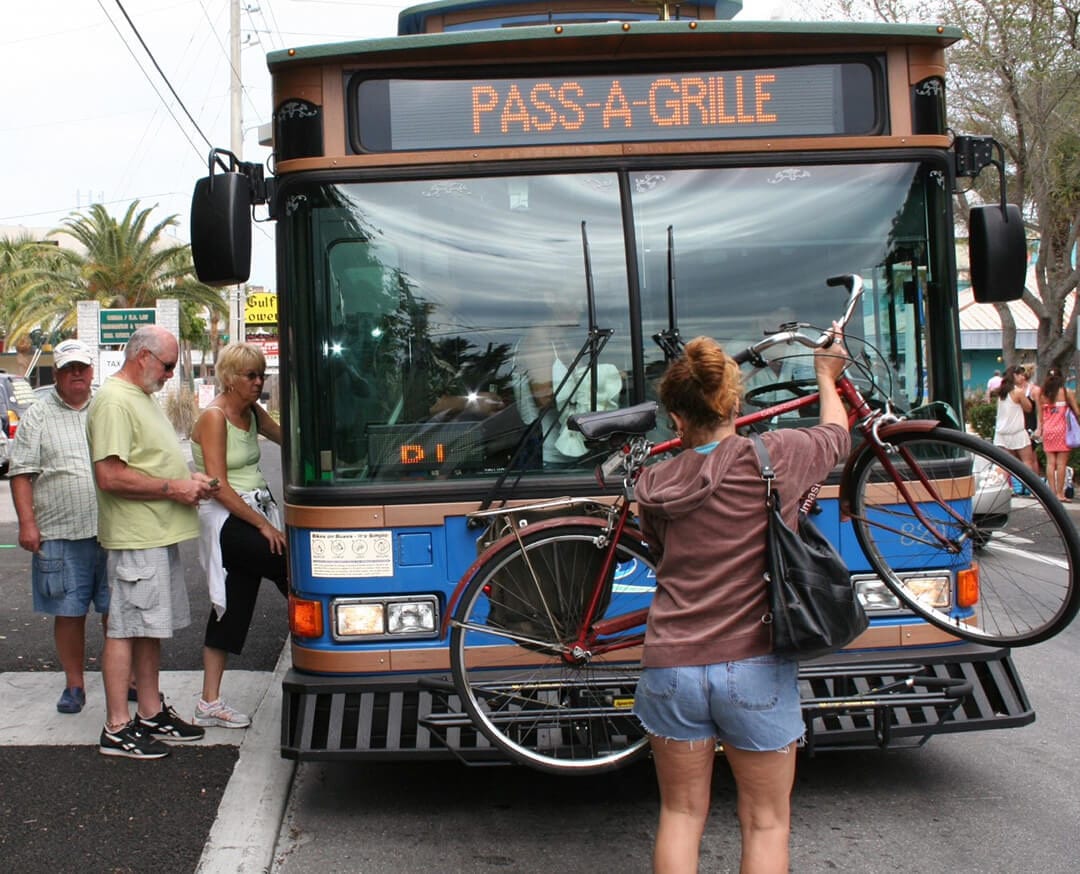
(967, 536)
(518, 666)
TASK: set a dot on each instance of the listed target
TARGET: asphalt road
(1000, 802)
(1006, 801)
(70, 809)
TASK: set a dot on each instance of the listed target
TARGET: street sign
(260, 308)
(269, 346)
(117, 326)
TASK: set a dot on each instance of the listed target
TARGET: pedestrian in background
(52, 486)
(241, 540)
(709, 672)
(1031, 417)
(992, 386)
(1010, 432)
(1054, 400)
(146, 506)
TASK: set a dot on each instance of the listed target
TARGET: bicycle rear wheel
(510, 640)
(985, 564)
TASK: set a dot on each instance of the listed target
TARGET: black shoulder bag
(813, 604)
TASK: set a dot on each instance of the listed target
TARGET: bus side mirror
(221, 228)
(997, 250)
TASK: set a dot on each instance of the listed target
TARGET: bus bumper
(851, 700)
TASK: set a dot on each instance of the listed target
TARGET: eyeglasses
(168, 366)
(253, 375)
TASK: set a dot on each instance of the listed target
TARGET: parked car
(992, 502)
(16, 395)
(5, 451)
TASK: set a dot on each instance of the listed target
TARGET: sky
(88, 119)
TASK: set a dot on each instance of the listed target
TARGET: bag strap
(767, 472)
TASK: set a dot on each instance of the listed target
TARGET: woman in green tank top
(241, 540)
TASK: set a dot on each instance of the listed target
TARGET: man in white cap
(52, 485)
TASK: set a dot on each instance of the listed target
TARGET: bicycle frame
(873, 425)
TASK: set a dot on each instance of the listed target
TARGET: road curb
(244, 834)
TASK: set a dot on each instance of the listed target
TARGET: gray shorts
(149, 597)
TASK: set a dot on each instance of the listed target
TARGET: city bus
(512, 211)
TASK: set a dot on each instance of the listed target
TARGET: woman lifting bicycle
(709, 674)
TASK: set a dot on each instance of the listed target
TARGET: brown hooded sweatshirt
(703, 515)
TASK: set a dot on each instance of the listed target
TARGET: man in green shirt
(146, 507)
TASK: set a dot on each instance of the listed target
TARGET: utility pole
(236, 146)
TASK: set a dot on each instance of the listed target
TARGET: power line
(228, 58)
(149, 81)
(71, 209)
(161, 73)
(272, 24)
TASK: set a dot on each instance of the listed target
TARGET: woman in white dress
(1010, 429)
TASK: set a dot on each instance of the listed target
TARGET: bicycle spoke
(1021, 551)
(540, 685)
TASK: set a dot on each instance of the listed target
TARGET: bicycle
(546, 626)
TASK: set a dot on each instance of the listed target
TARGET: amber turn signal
(305, 617)
(967, 587)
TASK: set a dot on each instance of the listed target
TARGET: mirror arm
(227, 162)
(971, 155)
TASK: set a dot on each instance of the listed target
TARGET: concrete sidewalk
(249, 816)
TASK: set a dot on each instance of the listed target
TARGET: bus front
(480, 232)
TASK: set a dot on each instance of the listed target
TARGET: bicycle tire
(541, 709)
(1025, 549)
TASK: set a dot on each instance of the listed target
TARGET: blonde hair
(237, 358)
(704, 386)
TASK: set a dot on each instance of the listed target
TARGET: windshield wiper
(669, 340)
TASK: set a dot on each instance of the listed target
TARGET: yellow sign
(261, 309)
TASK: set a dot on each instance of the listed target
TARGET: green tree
(126, 263)
(19, 256)
(1016, 77)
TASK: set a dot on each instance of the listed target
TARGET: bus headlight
(875, 595)
(411, 617)
(385, 617)
(933, 590)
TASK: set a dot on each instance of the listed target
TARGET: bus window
(440, 309)
(750, 248)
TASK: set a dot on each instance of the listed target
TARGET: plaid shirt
(50, 445)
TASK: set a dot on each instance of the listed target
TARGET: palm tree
(18, 256)
(127, 263)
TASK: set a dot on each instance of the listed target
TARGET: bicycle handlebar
(854, 285)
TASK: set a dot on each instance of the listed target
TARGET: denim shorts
(67, 576)
(752, 704)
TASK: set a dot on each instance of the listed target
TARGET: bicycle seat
(638, 419)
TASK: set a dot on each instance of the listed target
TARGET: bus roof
(473, 14)
(686, 36)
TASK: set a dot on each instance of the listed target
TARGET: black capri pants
(247, 558)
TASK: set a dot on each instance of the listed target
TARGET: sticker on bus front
(351, 553)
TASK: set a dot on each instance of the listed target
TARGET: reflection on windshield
(449, 318)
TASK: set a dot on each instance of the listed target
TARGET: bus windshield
(449, 317)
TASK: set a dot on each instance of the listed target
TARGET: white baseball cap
(71, 352)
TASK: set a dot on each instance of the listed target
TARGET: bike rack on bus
(878, 710)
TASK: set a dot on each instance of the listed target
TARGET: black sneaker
(168, 726)
(132, 742)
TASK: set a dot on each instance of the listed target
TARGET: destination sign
(807, 100)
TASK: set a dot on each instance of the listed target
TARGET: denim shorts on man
(68, 576)
(149, 596)
(752, 704)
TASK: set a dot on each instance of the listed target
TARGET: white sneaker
(220, 714)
